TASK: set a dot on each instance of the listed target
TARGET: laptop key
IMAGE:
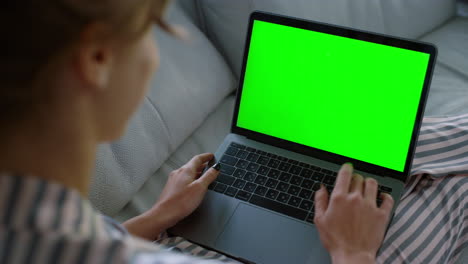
(294, 162)
(237, 145)
(295, 170)
(294, 190)
(283, 197)
(294, 201)
(239, 184)
(284, 177)
(284, 166)
(232, 151)
(316, 186)
(310, 218)
(242, 154)
(307, 184)
(281, 158)
(385, 189)
(250, 149)
(282, 186)
(277, 207)
(243, 195)
(296, 180)
(271, 183)
(261, 152)
(250, 176)
(242, 164)
(273, 163)
(306, 205)
(263, 160)
(260, 180)
(250, 187)
(263, 170)
(211, 186)
(330, 180)
(239, 173)
(220, 188)
(252, 157)
(252, 167)
(315, 168)
(306, 173)
(261, 190)
(318, 176)
(231, 191)
(272, 194)
(273, 174)
(228, 170)
(226, 159)
(228, 180)
(305, 194)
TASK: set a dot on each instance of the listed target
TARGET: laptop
(311, 97)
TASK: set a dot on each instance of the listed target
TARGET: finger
(202, 167)
(357, 183)
(198, 160)
(387, 203)
(210, 175)
(344, 178)
(370, 190)
(321, 201)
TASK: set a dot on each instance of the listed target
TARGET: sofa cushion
(449, 88)
(226, 21)
(206, 138)
(452, 41)
(192, 81)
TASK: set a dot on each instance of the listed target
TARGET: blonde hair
(36, 31)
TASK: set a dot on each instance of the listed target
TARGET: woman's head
(88, 59)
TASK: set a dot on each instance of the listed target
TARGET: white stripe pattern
(430, 225)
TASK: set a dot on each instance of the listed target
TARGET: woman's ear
(94, 58)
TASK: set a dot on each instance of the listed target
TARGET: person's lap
(430, 224)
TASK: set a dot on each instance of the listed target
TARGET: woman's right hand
(350, 224)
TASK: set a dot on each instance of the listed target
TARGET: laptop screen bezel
(349, 33)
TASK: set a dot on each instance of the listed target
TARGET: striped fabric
(43, 222)
(431, 222)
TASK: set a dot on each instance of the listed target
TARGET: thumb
(210, 175)
(321, 201)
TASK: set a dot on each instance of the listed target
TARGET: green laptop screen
(350, 97)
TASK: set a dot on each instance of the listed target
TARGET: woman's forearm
(150, 224)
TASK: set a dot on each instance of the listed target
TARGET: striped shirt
(44, 222)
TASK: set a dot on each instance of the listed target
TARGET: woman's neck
(63, 154)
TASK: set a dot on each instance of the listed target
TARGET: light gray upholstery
(226, 20)
(192, 81)
(449, 89)
(189, 107)
(205, 139)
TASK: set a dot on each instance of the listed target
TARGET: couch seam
(454, 70)
(166, 129)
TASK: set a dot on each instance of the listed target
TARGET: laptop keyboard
(273, 182)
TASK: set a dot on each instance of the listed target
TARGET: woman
(67, 66)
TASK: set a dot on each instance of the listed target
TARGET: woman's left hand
(183, 193)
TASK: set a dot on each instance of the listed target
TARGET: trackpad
(265, 237)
